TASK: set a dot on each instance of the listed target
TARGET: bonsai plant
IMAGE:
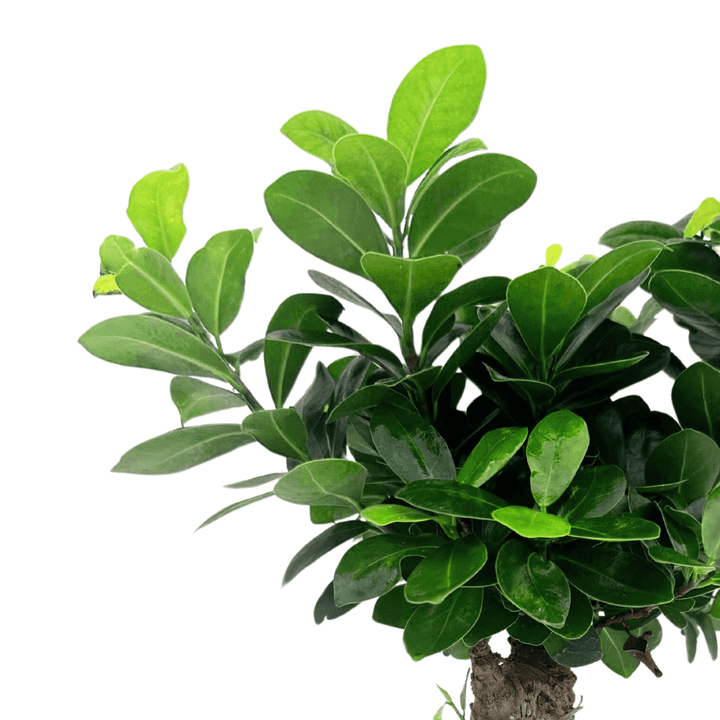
(546, 509)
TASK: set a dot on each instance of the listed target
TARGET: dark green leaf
(450, 498)
(433, 628)
(575, 653)
(372, 567)
(181, 449)
(410, 445)
(529, 631)
(369, 397)
(711, 526)
(393, 609)
(494, 450)
(194, 398)
(325, 217)
(316, 132)
(708, 630)
(683, 529)
(598, 368)
(216, 278)
(469, 199)
(311, 408)
(538, 587)
(615, 528)
(696, 399)
(494, 618)
(321, 545)
(614, 576)
(234, 506)
(673, 557)
(325, 607)
(446, 569)
(580, 616)
(247, 354)
(531, 523)
(533, 392)
(594, 491)
(434, 103)
(634, 231)
(155, 208)
(691, 635)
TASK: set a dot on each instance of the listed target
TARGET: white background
(111, 607)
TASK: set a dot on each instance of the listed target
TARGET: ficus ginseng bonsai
(547, 509)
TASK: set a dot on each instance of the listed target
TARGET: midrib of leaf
(386, 194)
(218, 292)
(448, 614)
(425, 119)
(327, 492)
(397, 555)
(452, 206)
(408, 293)
(163, 234)
(162, 290)
(287, 439)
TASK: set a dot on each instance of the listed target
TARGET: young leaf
(552, 254)
(325, 217)
(155, 209)
(410, 445)
(495, 449)
(538, 587)
(216, 278)
(322, 544)
(433, 628)
(194, 398)
(555, 449)
(281, 431)
(149, 279)
(234, 506)
(410, 285)
(330, 482)
(148, 341)
(470, 198)
(451, 498)
(376, 170)
(707, 211)
(711, 526)
(372, 567)
(316, 132)
(446, 569)
(106, 285)
(181, 449)
(531, 523)
(434, 103)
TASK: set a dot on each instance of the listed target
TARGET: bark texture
(528, 684)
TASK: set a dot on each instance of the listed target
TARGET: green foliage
(545, 508)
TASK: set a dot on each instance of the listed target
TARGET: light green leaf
(148, 341)
(469, 199)
(711, 526)
(149, 279)
(325, 217)
(155, 209)
(376, 170)
(194, 398)
(615, 528)
(494, 450)
(181, 449)
(316, 132)
(106, 285)
(234, 506)
(552, 254)
(707, 211)
(330, 482)
(555, 450)
(281, 431)
(387, 514)
(115, 252)
(531, 523)
(410, 285)
(216, 278)
(256, 481)
(434, 103)
(612, 639)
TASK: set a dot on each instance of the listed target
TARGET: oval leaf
(711, 526)
(181, 449)
(594, 491)
(368, 397)
(615, 528)
(281, 431)
(115, 252)
(387, 514)
(668, 556)
(631, 232)
(316, 132)
(194, 398)
(495, 449)
(450, 498)
(696, 399)
(155, 209)
(531, 523)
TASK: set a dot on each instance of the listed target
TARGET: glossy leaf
(194, 398)
(463, 148)
(322, 544)
(555, 449)
(696, 399)
(433, 628)
(533, 392)
(683, 529)
(673, 557)
(410, 445)
(711, 526)
(325, 217)
(376, 170)
(216, 278)
(372, 567)
(615, 576)
(330, 482)
(316, 132)
(181, 449)
(371, 396)
(531, 523)
(393, 609)
(616, 268)
(707, 212)
(469, 199)
(434, 103)
(574, 653)
(149, 341)
(451, 498)
(598, 368)
(233, 507)
(155, 209)
(494, 450)
(594, 492)
(580, 616)
(545, 305)
(615, 528)
(446, 569)
(529, 631)
(386, 514)
(281, 431)
(410, 285)
(631, 232)
(325, 607)
(494, 618)
(538, 587)
(343, 291)
(283, 361)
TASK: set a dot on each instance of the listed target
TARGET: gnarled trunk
(527, 684)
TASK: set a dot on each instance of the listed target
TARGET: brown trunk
(528, 684)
